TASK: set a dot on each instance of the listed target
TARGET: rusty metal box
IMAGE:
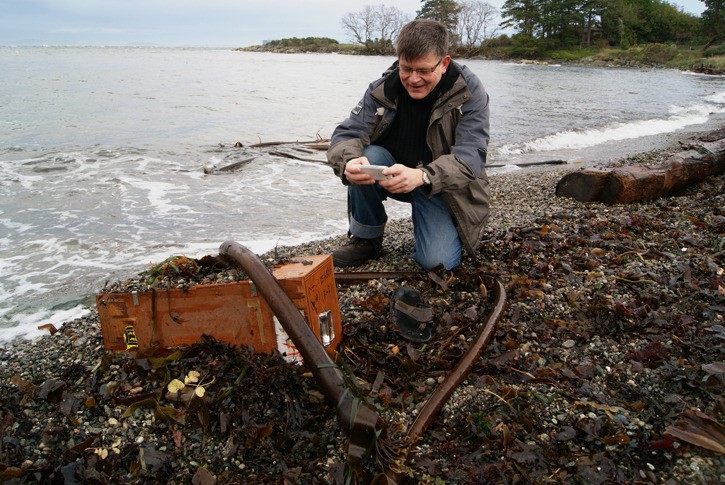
(230, 312)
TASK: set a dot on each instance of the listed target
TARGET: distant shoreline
(605, 58)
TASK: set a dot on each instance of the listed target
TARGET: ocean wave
(579, 139)
(717, 98)
(28, 327)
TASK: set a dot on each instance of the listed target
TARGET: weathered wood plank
(632, 184)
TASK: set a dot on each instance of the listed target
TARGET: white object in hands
(375, 171)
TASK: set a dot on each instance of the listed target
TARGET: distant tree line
(303, 42)
(543, 24)
(615, 22)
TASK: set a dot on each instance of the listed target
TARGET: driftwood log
(626, 185)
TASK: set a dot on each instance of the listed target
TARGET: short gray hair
(421, 37)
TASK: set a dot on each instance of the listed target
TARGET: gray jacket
(457, 136)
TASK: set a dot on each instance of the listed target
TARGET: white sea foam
(9, 225)
(27, 326)
(157, 194)
(701, 74)
(578, 139)
(507, 169)
(717, 98)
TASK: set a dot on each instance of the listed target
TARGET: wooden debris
(49, 327)
(319, 144)
(631, 184)
(699, 429)
(232, 167)
(295, 157)
(529, 164)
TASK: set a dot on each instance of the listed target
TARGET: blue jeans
(436, 238)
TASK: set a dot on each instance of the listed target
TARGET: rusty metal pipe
(359, 420)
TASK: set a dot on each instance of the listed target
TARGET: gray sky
(223, 23)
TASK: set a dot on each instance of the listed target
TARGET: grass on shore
(691, 59)
(687, 58)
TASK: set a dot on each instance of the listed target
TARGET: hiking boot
(357, 251)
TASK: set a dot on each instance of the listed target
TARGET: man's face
(419, 76)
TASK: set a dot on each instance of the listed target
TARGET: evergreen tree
(444, 11)
(713, 20)
(522, 15)
(630, 22)
(565, 23)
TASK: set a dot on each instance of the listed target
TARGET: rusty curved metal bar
(357, 418)
(439, 397)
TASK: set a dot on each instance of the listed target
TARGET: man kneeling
(426, 121)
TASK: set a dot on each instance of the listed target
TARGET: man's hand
(353, 174)
(405, 179)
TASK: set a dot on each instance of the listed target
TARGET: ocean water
(103, 152)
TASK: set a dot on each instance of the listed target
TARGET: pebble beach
(611, 346)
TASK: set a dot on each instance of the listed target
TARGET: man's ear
(446, 60)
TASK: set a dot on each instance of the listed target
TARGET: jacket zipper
(444, 140)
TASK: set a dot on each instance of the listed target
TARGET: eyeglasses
(407, 71)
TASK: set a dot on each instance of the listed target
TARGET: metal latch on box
(327, 329)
